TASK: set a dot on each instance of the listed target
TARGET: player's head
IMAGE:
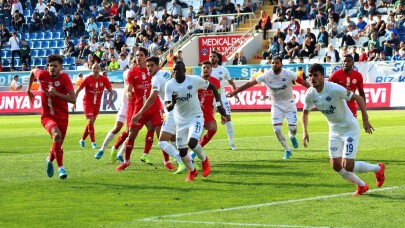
(141, 55)
(54, 64)
(214, 57)
(276, 64)
(206, 69)
(152, 65)
(316, 75)
(348, 62)
(95, 69)
(179, 70)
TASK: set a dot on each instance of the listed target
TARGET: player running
(222, 74)
(350, 79)
(94, 85)
(56, 92)
(279, 83)
(181, 96)
(344, 130)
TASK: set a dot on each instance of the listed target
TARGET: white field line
(159, 218)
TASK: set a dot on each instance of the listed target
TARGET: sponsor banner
(381, 72)
(207, 43)
(377, 96)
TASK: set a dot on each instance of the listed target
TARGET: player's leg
(228, 123)
(182, 145)
(164, 144)
(148, 143)
(292, 120)
(211, 126)
(277, 121)
(108, 138)
(91, 120)
(195, 131)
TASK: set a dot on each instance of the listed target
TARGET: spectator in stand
(14, 43)
(108, 43)
(118, 43)
(367, 8)
(289, 36)
(165, 15)
(82, 52)
(170, 59)
(161, 42)
(372, 53)
(301, 37)
(350, 37)
(355, 55)
(99, 52)
(311, 36)
(380, 26)
(292, 48)
(328, 5)
(212, 12)
(18, 21)
(103, 64)
(396, 56)
(208, 4)
(350, 4)
(208, 26)
(264, 23)
(123, 62)
(229, 7)
(154, 48)
(323, 38)
(169, 43)
(79, 80)
(320, 19)
(344, 51)
(381, 57)
(179, 56)
(6, 9)
(25, 53)
(40, 8)
(332, 27)
(236, 58)
(370, 29)
(242, 59)
(314, 9)
(109, 54)
(35, 24)
(390, 44)
(91, 25)
(294, 25)
(113, 65)
(225, 25)
(78, 26)
(361, 25)
(308, 49)
(35, 84)
(332, 14)
(301, 11)
(363, 55)
(102, 35)
(49, 20)
(333, 54)
(273, 47)
(281, 48)
(113, 12)
(340, 8)
(291, 10)
(4, 34)
(103, 13)
(219, 6)
(374, 40)
(93, 45)
(175, 11)
(400, 7)
(52, 8)
(67, 26)
(69, 48)
(68, 6)
(345, 25)
(146, 42)
(16, 6)
(280, 12)
(15, 85)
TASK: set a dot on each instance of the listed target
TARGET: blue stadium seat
(25, 36)
(53, 44)
(40, 36)
(3, 54)
(55, 35)
(61, 44)
(70, 60)
(33, 36)
(106, 24)
(37, 44)
(6, 63)
(48, 35)
(99, 24)
(37, 62)
(34, 53)
(76, 42)
(26, 13)
(30, 43)
(41, 53)
(44, 44)
(43, 61)
(8, 54)
(72, 67)
(49, 52)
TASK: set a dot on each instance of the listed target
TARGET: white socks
(107, 140)
(122, 150)
(199, 151)
(281, 137)
(170, 149)
(187, 161)
(364, 167)
(230, 132)
(350, 176)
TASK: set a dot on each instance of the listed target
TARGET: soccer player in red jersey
(94, 86)
(139, 87)
(206, 98)
(57, 91)
(350, 79)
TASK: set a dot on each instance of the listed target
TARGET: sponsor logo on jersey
(330, 111)
(189, 87)
(328, 98)
(350, 139)
(185, 98)
(280, 88)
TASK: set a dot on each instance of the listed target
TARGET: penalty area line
(162, 217)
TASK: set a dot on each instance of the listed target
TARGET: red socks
(165, 156)
(121, 139)
(128, 149)
(90, 128)
(148, 141)
(58, 153)
(207, 137)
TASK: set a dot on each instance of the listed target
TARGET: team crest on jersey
(328, 98)
(220, 72)
(350, 139)
(354, 81)
(101, 84)
(57, 83)
(189, 87)
(143, 76)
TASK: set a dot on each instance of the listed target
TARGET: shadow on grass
(277, 184)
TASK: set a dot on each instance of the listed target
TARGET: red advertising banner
(378, 95)
(208, 43)
(19, 102)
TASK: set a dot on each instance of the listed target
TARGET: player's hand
(73, 107)
(135, 118)
(31, 96)
(51, 90)
(236, 98)
(367, 127)
(230, 94)
(305, 140)
(223, 120)
(221, 110)
(174, 97)
(108, 104)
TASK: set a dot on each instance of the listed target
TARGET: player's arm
(129, 91)
(362, 94)
(245, 86)
(233, 86)
(303, 82)
(170, 104)
(362, 105)
(76, 95)
(110, 95)
(218, 103)
(148, 103)
(304, 123)
(32, 77)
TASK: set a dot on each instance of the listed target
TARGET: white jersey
(279, 87)
(187, 106)
(332, 103)
(222, 74)
(159, 81)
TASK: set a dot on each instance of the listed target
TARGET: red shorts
(91, 110)
(50, 123)
(156, 119)
(208, 117)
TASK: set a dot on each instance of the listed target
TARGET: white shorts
(344, 144)
(226, 105)
(184, 132)
(122, 112)
(169, 125)
(278, 114)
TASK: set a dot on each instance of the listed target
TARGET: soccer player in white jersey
(344, 130)
(222, 74)
(181, 96)
(279, 83)
(159, 80)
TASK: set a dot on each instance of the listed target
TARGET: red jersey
(351, 82)
(206, 96)
(142, 85)
(94, 89)
(53, 106)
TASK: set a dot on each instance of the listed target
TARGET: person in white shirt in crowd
(40, 7)
(14, 43)
(123, 62)
(332, 53)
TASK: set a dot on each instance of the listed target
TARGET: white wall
(190, 52)
(250, 47)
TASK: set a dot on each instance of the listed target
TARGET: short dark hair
(216, 53)
(52, 58)
(144, 50)
(278, 57)
(153, 59)
(207, 63)
(316, 67)
(348, 56)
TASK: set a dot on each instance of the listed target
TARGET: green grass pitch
(252, 186)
